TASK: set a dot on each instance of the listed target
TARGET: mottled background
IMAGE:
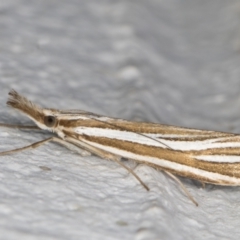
(169, 61)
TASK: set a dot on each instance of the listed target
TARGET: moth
(207, 156)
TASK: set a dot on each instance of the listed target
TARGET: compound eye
(49, 121)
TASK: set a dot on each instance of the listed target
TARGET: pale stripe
(119, 135)
(187, 135)
(219, 158)
(216, 177)
(200, 145)
(74, 117)
(146, 140)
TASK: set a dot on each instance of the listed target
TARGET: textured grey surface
(174, 62)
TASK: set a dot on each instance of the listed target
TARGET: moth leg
(182, 187)
(33, 145)
(40, 143)
(18, 126)
(203, 185)
(134, 174)
(106, 155)
(72, 147)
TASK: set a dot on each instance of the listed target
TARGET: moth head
(44, 118)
